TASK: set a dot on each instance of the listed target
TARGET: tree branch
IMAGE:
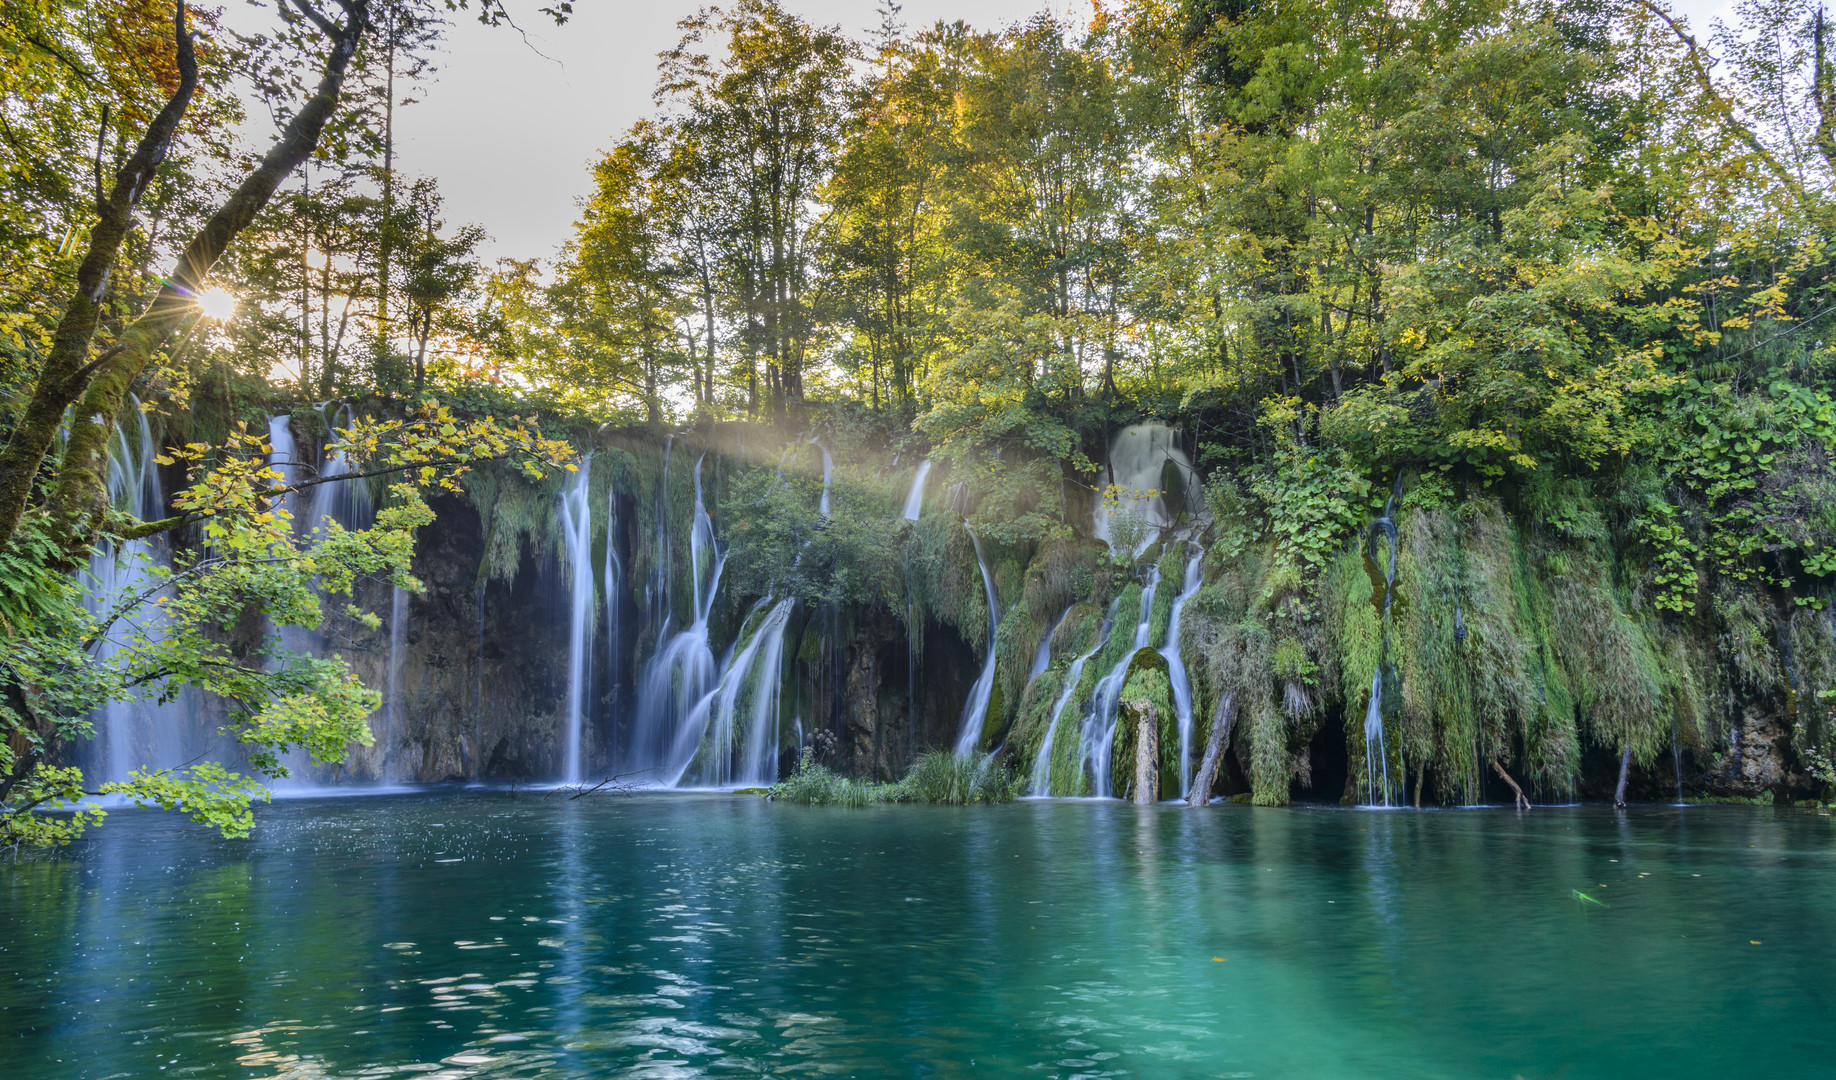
(79, 500)
(55, 390)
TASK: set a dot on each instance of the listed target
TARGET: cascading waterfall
(1176, 666)
(144, 732)
(1100, 724)
(345, 501)
(1138, 461)
(914, 499)
(576, 524)
(731, 735)
(1373, 713)
(681, 673)
(614, 575)
(969, 738)
(284, 459)
(1042, 761)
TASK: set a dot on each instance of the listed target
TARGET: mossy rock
(1034, 715)
(1147, 681)
(1077, 632)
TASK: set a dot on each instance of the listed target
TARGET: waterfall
(284, 458)
(969, 739)
(1373, 732)
(1373, 713)
(1138, 460)
(1100, 724)
(681, 673)
(735, 741)
(144, 732)
(1042, 762)
(914, 499)
(613, 574)
(345, 501)
(1176, 667)
(576, 525)
(1042, 657)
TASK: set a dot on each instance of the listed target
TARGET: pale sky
(511, 135)
(510, 127)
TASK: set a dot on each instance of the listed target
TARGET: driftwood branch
(1200, 792)
(614, 780)
(1506, 777)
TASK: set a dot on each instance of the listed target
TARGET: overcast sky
(511, 134)
(510, 130)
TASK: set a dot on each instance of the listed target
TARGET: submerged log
(1521, 800)
(1146, 721)
(1200, 792)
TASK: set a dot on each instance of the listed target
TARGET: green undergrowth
(938, 776)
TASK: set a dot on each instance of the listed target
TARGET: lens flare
(217, 304)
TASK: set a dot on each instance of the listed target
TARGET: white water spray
(1138, 462)
(969, 737)
(1042, 761)
(1176, 667)
(576, 524)
(1100, 725)
(914, 499)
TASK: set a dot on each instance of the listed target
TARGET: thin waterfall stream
(969, 737)
(1176, 665)
(575, 521)
(1100, 723)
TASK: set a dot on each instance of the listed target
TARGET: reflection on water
(484, 935)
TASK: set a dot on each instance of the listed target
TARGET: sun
(217, 304)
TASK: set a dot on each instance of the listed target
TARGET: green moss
(1077, 632)
(1147, 681)
(1610, 664)
(1034, 715)
(1172, 576)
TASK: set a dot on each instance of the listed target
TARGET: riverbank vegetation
(1550, 281)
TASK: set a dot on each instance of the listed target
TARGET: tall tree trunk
(388, 180)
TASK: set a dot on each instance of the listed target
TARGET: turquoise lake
(484, 934)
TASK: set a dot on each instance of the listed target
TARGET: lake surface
(485, 935)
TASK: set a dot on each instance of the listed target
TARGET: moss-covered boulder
(1146, 685)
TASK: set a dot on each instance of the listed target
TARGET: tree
(765, 118)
